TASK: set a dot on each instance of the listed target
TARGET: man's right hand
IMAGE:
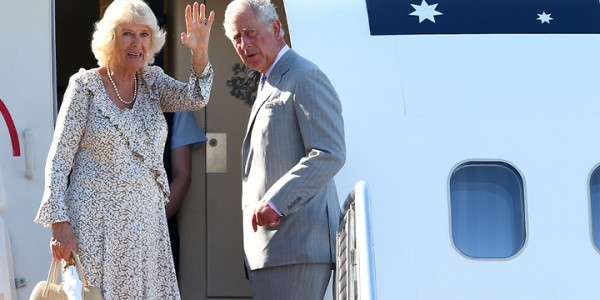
(265, 215)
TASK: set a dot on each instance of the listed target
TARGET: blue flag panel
(400, 17)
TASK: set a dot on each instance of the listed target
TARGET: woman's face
(132, 42)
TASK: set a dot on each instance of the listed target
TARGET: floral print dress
(115, 195)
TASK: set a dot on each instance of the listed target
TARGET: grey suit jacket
(293, 148)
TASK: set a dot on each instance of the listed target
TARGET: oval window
(487, 210)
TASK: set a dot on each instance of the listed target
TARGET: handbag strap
(53, 275)
(79, 267)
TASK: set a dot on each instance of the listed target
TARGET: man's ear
(277, 29)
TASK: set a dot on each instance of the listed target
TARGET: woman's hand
(197, 35)
(63, 241)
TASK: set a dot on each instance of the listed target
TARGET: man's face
(256, 43)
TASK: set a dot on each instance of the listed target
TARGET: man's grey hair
(263, 9)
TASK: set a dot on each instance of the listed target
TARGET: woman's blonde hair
(121, 11)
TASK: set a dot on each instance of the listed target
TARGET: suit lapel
(261, 97)
(273, 81)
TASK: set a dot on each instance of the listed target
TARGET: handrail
(355, 276)
(12, 131)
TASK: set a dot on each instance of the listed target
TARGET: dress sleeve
(70, 125)
(179, 96)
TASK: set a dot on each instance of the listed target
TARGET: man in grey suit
(293, 148)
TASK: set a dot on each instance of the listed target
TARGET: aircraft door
(211, 219)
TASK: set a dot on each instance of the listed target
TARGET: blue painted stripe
(393, 17)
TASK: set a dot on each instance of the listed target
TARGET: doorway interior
(212, 264)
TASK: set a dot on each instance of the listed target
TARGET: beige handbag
(50, 290)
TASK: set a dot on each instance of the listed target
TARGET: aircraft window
(487, 210)
(595, 206)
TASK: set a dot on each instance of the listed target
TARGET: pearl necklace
(117, 91)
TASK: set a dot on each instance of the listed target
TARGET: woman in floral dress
(106, 187)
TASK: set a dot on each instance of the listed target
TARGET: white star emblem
(544, 18)
(425, 11)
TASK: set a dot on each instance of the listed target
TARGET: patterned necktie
(263, 78)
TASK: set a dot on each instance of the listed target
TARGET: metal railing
(355, 273)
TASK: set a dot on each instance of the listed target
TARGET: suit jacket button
(245, 178)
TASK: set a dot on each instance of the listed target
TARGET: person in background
(293, 148)
(185, 134)
(106, 187)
